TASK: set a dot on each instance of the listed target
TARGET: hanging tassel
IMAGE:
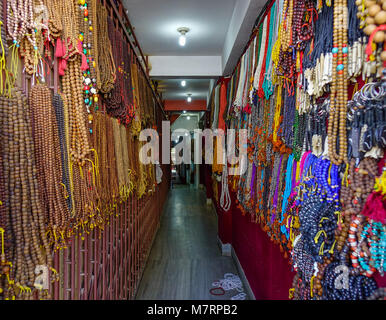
(60, 48)
(369, 49)
(374, 208)
(62, 67)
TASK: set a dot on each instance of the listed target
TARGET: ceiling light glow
(182, 39)
(183, 83)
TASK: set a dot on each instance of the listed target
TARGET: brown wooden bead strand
(25, 216)
(46, 141)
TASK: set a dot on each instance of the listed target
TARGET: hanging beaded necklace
(47, 151)
(371, 250)
(106, 66)
(124, 99)
(4, 52)
(288, 120)
(5, 236)
(338, 100)
(26, 218)
(72, 95)
(83, 170)
(299, 134)
(55, 19)
(58, 105)
(338, 285)
(88, 48)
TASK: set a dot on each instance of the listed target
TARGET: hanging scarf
(261, 54)
(240, 86)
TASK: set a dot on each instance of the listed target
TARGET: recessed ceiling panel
(172, 90)
(156, 23)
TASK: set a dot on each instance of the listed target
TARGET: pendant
(341, 281)
(42, 278)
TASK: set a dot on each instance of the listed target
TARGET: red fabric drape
(223, 103)
(268, 272)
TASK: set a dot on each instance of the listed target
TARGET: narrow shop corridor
(185, 259)
(192, 150)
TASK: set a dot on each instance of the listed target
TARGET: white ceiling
(156, 23)
(219, 32)
(172, 90)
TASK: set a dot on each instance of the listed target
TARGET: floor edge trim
(239, 267)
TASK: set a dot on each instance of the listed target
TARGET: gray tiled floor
(185, 259)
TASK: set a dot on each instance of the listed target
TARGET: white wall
(238, 16)
(183, 123)
(186, 66)
(240, 27)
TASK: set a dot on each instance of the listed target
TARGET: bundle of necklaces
(73, 100)
(310, 89)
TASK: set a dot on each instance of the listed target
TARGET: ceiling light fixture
(184, 111)
(189, 98)
(183, 31)
(183, 83)
(188, 118)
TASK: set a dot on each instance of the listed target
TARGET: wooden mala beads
(105, 69)
(337, 123)
(360, 183)
(121, 103)
(3, 33)
(341, 233)
(68, 13)
(72, 94)
(25, 215)
(317, 281)
(288, 11)
(5, 235)
(373, 19)
(55, 19)
(49, 164)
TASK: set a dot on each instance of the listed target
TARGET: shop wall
(267, 270)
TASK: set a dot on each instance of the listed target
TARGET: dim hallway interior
(185, 259)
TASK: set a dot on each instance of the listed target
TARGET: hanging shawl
(261, 56)
(246, 85)
(253, 70)
(240, 86)
(267, 84)
(216, 107)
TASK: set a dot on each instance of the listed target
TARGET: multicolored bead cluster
(91, 97)
(313, 179)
